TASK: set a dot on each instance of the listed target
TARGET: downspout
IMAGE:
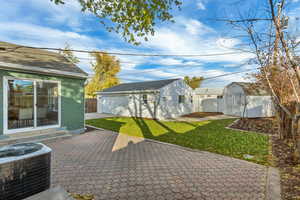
(156, 103)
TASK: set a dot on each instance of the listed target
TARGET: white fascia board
(13, 66)
(128, 92)
(169, 84)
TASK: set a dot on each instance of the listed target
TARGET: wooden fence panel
(90, 105)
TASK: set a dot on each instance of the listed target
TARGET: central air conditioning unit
(24, 170)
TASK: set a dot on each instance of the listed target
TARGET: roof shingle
(36, 58)
(139, 86)
(252, 89)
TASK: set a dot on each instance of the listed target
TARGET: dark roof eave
(40, 70)
(128, 92)
(250, 93)
(140, 86)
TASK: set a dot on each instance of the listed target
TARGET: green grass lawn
(206, 135)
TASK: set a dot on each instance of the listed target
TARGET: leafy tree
(67, 53)
(105, 68)
(130, 18)
(193, 82)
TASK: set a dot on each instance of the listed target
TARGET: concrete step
(56, 193)
(54, 139)
(35, 136)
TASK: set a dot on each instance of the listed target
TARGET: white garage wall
(127, 105)
(169, 106)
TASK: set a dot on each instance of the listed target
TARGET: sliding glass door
(31, 104)
(47, 103)
(20, 104)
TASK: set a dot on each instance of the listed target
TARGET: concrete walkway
(99, 163)
(98, 115)
(194, 119)
(189, 119)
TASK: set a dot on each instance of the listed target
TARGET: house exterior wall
(161, 104)
(72, 99)
(237, 103)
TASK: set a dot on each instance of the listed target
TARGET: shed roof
(139, 86)
(36, 60)
(209, 91)
(252, 89)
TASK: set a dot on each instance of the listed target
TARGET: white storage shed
(244, 100)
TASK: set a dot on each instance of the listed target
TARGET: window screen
(145, 99)
(181, 99)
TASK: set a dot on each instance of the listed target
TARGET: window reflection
(20, 104)
(21, 95)
(47, 103)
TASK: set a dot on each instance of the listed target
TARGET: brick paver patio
(150, 170)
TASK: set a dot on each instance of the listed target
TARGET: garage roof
(139, 86)
(252, 89)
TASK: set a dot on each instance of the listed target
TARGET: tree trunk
(295, 134)
(285, 124)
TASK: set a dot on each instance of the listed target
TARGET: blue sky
(42, 23)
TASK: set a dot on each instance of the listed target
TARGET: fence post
(90, 105)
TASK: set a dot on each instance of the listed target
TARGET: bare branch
(244, 20)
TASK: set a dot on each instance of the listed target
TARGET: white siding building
(208, 100)
(243, 100)
(152, 99)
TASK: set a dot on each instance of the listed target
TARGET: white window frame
(35, 127)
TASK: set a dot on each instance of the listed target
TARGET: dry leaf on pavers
(82, 196)
(290, 173)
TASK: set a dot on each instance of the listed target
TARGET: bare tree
(279, 72)
(245, 103)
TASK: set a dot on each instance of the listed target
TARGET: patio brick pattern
(150, 170)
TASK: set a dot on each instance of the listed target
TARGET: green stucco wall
(72, 98)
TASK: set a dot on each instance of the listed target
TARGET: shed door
(229, 104)
(237, 105)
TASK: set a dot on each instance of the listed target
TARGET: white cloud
(46, 12)
(168, 61)
(64, 23)
(67, 14)
(186, 36)
(40, 36)
(227, 43)
(178, 40)
(200, 5)
(44, 36)
(195, 27)
(181, 71)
